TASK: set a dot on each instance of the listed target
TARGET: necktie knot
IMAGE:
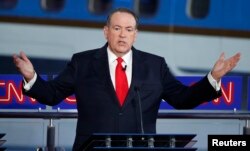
(119, 60)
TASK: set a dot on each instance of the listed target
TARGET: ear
(136, 32)
(105, 31)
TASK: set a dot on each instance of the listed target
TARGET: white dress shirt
(127, 64)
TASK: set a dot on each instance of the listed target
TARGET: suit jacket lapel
(138, 71)
(101, 68)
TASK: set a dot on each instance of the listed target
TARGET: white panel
(201, 127)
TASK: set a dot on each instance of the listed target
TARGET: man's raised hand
(24, 66)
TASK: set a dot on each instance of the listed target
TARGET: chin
(123, 50)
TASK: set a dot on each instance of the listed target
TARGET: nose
(123, 33)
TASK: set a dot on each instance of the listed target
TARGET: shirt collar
(112, 57)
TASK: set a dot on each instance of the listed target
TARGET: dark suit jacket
(87, 76)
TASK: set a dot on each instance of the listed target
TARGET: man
(95, 76)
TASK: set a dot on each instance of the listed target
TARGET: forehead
(123, 18)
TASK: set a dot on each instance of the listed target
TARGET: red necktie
(121, 82)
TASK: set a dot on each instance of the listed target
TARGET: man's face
(121, 33)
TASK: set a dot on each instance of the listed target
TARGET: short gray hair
(123, 10)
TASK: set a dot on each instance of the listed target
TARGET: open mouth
(123, 43)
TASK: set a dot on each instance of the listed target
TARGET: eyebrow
(125, 27)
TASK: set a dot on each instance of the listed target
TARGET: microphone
(140, 108)
(124, 68)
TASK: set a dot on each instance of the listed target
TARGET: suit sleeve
(186, 97)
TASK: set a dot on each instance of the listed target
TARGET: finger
(237, 57)
(232, 62)
(16, 59)
(234, 59)
(23, 56)
(222, 56)
(14, 56)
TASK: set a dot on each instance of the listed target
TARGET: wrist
(29, 77)
(215, 76)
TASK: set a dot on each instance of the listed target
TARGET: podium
(139, 142)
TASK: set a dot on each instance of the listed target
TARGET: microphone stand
(140, 108)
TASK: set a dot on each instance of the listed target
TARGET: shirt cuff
(28, 85)
(216, 85)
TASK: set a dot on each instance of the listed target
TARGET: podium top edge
(140, 134)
